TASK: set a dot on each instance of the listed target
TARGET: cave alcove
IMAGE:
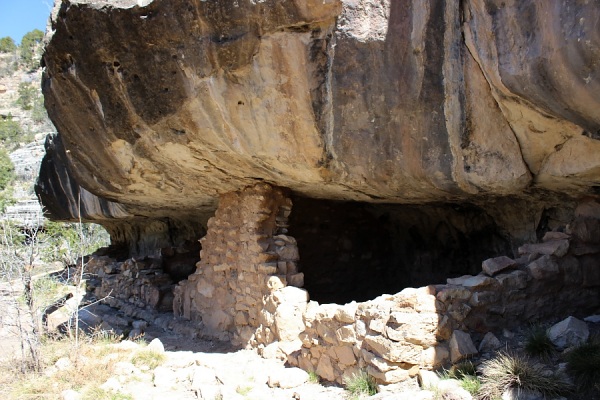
(358, 251)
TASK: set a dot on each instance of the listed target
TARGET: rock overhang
(163, 106)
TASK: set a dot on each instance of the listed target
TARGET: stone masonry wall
(393, 336)
(247, 289)
(246, 256)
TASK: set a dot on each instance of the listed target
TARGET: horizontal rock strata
(162, 106)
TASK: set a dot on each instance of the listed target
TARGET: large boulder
(164, 105)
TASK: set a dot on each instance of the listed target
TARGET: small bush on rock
(511, 371)
(361, 384)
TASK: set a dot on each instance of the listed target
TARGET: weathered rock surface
(569, 332)
(162, 106)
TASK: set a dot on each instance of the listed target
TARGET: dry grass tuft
(510, 371)
(91, 365)
(148, 357)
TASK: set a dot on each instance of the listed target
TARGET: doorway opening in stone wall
(358, 251)
(180, 262)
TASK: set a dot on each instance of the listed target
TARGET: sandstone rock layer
(162, 106)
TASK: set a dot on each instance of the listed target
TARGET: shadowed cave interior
(358, 251)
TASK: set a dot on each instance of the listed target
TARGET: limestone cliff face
(164, 105)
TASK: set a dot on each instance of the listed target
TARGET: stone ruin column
(247, 259)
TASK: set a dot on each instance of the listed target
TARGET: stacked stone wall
(246, 256)
(247, 289)
(142, 284)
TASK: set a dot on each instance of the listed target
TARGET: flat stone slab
(492, 266)
(557, 248)
(472, 282)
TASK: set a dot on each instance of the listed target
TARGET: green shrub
(7, 170)
(10, 131)
(510, 371)
(8, 67)
(537, 342)
(361, 384)
(583, 364)
(7, 176)
(27, 95)
(7, 45)
(66, 242)
(30, 48)
(38, 111)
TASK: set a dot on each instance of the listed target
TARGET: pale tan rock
(325, 368)
(68, 394)
(287, 378)
(428, 379)
(461, 346)
(346, 334)
(63, 363)
(203, 376)
(377, 362)
(310, 314)
(344, 355)
(346, 313)
(165, 377)
(156, 346)
(288, 322)
(391, 376)
(327, 333)
(412, 334)
(276, 283)
(394, 351)
(272, 351)
(452, 389)
(291, 295)
(290, 347)
(377, 325)
(326, 312)
(435, 356)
